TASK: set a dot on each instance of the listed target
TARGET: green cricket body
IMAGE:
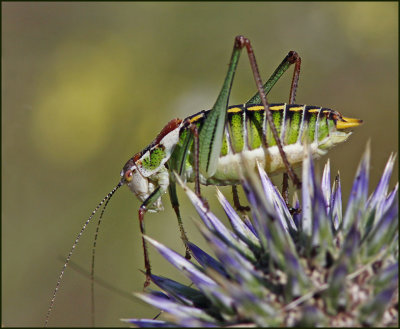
(210, 147)
(245, 128)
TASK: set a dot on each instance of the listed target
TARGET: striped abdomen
(296, 125)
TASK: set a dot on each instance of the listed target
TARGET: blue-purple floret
(380, 193)
(375, 308)
(351, 243)
(205, 260)
(336, 203)
(326, 186)
(359, 192)
(387, 277)
(147, 323)
(181, 292)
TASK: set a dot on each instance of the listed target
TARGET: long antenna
(108, 196)
(93, 259)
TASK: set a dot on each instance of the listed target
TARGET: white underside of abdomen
(229, 166)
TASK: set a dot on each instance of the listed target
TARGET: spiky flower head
(315, 267)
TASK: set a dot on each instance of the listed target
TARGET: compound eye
(128, 175)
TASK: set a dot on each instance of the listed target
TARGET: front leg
(142, 210)
(152, 203)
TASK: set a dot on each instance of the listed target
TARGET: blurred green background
(87, 85)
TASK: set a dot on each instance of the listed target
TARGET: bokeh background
(87, 85)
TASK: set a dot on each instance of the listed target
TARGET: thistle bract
(319, 266)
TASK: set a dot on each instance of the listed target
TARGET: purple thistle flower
(316, 267)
